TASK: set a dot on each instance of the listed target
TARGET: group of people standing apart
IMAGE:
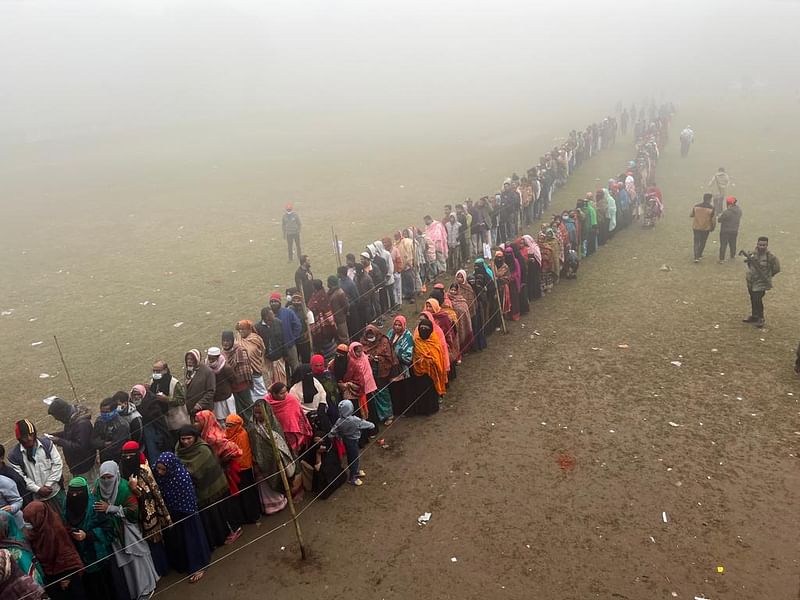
(172, 468)
(762, 265)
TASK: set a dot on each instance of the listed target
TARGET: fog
(72, 69)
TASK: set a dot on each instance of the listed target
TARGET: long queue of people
(173, 469)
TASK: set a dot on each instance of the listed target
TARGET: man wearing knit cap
(37, 461)
(292, 328)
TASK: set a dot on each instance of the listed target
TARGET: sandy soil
(556, 457)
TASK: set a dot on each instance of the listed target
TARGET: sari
(445, 319)
(13, 540)
(265, 463)
(402, 346)
(227, 452)
(458, 302)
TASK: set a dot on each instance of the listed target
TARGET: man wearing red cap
(291, 230)
(729, 227)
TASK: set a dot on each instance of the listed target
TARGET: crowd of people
(283, 407)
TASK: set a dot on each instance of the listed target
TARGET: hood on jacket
(372, 250)
(346, 409)
(378, 246)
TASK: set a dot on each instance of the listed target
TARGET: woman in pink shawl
(458, 302)
(358, 384)
(514, 281)
(296, 429)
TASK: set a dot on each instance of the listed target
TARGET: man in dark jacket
(303, 277)
(110, 431)
(292, 328)
(291, 229)
(339, 306)
(76, 438)
(270, 329)
(729, 228)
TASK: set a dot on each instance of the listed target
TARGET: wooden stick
(500, 304)
(66, 370)
(286, 486)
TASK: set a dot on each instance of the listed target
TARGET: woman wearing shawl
(248, 493)
(402, 343)
(93, 534)
(156, 437)
(327, 380)
(522, 263)
(612, 212)
(153, 514)
(358, 384)
(51, 543)
(186, 540)
(485, 281)
(429, 381)
(296, 428)
(219, 514)
(14, 584)
(227, 453)
(383, 361)
(113, 497)
(458, 302)
(404, 244)
(323, 329)
(514, 281)
(13, 540)
(447, 329)
(534, 284)
(265, 464)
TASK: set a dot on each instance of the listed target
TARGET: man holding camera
(762, 266)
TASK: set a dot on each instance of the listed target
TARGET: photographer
(762, 266)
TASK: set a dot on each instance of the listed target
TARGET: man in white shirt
(38, 462)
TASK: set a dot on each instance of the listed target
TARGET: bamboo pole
(286, 486)
(66, 370)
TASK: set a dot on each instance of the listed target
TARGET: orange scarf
(235, 432)
(428, 359)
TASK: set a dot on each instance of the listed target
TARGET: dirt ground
(558, 457)
(555, 457)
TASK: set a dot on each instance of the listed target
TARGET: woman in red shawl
(227, 452)
(296, 429)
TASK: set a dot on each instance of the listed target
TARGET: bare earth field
(555, 456)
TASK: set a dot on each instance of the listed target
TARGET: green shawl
(209, 479)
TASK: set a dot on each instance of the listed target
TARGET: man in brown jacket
(340, 308)
(703, 223)
(200, 384)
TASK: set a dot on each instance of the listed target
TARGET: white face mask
(157, 376)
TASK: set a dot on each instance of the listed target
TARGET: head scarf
(359, 370)
(480, 263)
(214, 435)
(317, 364)
(177, 487)
(533, 248)
(107, 488)
(467, 291)
(290, 415)
(50, 540)
(131, 458)
(513, 266)
(77, 503)
(380, 349)
(439, 333)
(139, 388)
(60, 410)
(235, 432)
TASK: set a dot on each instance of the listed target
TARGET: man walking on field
(703, 223)
(762, 266)
(729, 228)
(291, 230)
(721, 180)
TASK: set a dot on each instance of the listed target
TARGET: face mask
(109, 416)
(157, 376)
(370, 338)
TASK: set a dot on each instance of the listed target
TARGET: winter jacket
(76, 441)
(290, 224)
(46, 468)
(729, 219)
(109, 436)
(200, 390)
(348, 426)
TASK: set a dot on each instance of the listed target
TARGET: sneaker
(356, 482)
(760, 323)
(697, 260)
(722, 262)
(750, 319)
(362, 474)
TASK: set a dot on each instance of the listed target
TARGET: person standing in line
(340, 307)
(171, 397)
(729, 228)
(303, 277)
(110, 431)
(453, 229)
(37, 461)
(291, 230)
(721, 180)
(762, 266)
(292, 328)
(75, 439)
(256, 350)
(201, 384)
(703, 223)
(236, 357)
(224, 402)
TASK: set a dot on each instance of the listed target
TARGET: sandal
(195, 577)
(233, 536)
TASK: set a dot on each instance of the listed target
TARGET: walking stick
(66, 370)
(500, 305)
(286, 486)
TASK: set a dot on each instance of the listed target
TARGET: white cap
(214, 351)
